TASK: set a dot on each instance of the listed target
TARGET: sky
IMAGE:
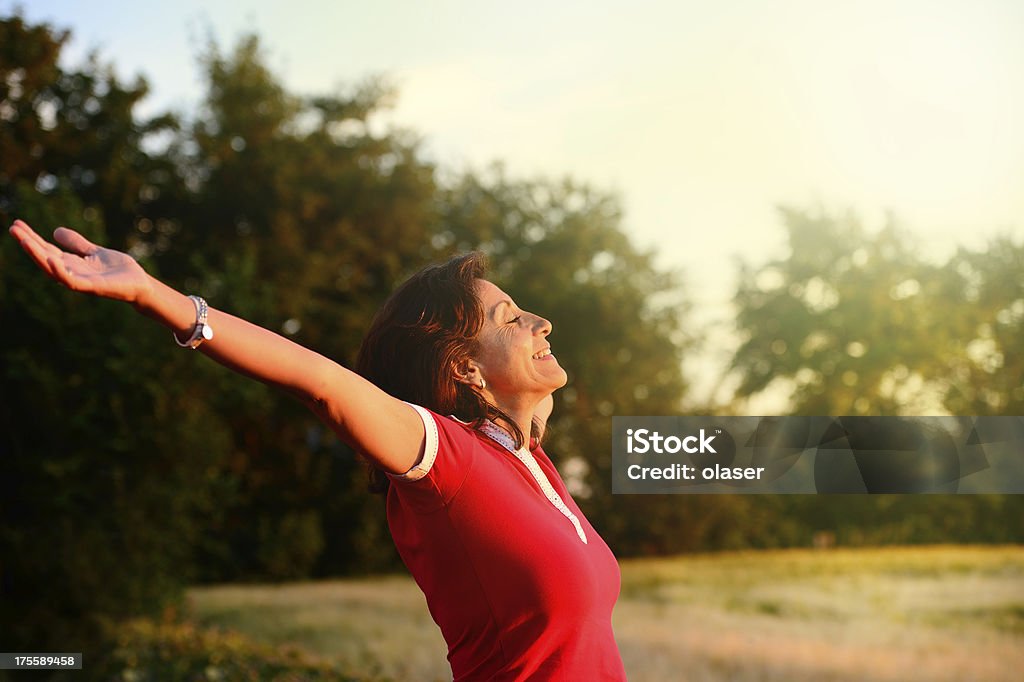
(701, 117)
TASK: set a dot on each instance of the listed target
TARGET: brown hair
(427, 327)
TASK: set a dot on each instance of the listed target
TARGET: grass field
(931, 613)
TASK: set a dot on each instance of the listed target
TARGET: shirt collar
(499, 436)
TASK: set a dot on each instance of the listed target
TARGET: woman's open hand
(84, 266)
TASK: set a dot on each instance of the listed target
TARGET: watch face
(207, 332)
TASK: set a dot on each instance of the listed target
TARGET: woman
(457, 380)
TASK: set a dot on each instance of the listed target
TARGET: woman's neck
(521, 417)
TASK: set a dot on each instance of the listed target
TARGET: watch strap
(202, 330)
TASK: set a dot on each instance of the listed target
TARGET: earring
(483, 384)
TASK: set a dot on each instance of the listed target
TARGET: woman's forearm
(386, 430)
(240, 345)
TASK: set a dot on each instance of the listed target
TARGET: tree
(847, 320)
(857, 323)
(91, 393)
(77, 130)
(984, 337)
(108, 470)
(301, 219)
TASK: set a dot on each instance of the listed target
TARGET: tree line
(129, 468)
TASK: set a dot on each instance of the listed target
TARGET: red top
(516, 591)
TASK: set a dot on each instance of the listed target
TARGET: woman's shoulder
(449, 425)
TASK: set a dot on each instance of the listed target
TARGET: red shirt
(516, 591)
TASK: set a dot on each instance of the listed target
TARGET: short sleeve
(449, 449)
(422, 467)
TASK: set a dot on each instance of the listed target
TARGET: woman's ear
(468, 372)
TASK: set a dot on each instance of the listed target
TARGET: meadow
(907, 613)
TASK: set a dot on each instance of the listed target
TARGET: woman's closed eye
(515, 319)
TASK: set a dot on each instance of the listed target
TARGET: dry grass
(941, 613)
(938, 613)
(376, 628)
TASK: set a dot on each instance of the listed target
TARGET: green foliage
(843, 318)
(858, 323)
(284, 210)
(76, 129)
(105, 474)
(984, 336)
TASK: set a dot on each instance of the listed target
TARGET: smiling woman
(453, 375)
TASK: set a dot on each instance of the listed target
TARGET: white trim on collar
(502, 438)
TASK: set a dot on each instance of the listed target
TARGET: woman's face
(514, 355)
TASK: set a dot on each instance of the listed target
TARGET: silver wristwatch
(203, 331)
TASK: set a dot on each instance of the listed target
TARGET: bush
(144, 650)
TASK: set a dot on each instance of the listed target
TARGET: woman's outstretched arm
(387, 430)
